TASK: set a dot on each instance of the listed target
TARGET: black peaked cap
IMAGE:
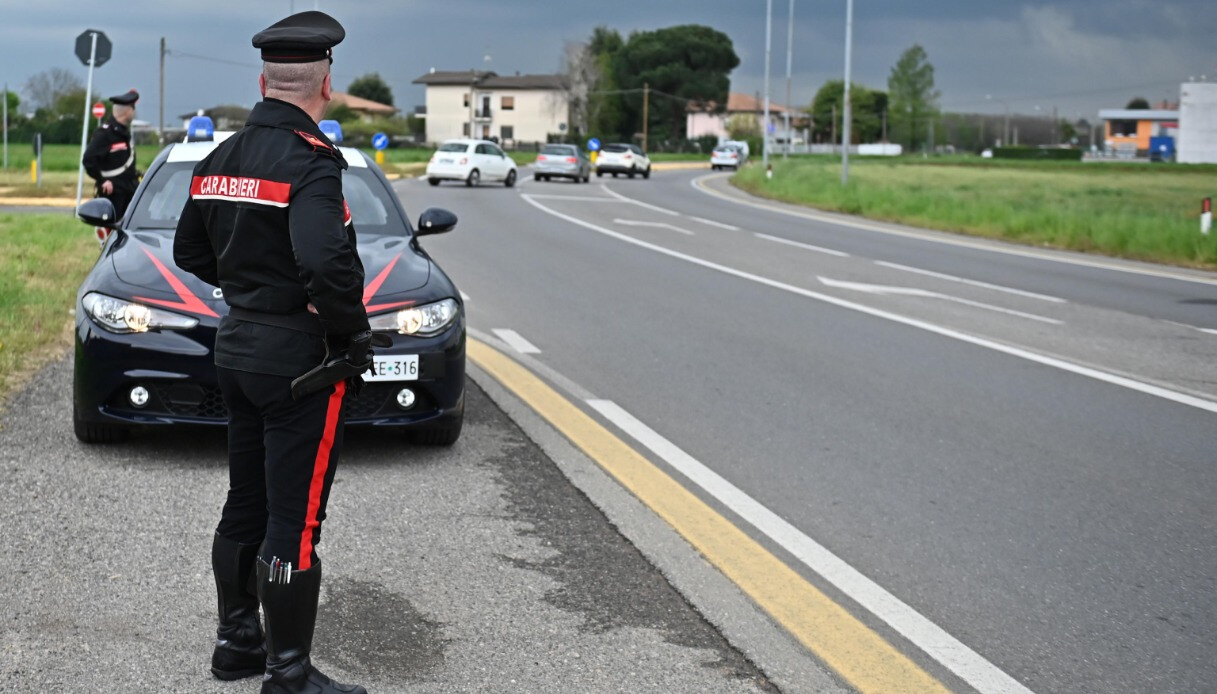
(304, 37)
(127, 99)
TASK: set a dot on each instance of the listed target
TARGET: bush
(1037, 153)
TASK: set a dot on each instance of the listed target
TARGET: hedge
(1037, 153)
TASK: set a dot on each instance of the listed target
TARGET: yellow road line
(859, 655)
(679, 165)
(38, 202)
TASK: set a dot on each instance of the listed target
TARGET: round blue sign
(593, 145)
(380, 141)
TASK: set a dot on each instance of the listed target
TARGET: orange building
(1131, 129)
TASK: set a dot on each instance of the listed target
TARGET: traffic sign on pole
(593, 145)
(84, 45)
(380, 141)
(99, 110)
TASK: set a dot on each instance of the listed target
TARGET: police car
(145, 329)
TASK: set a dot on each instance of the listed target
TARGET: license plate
(394, 368)
(445, 161)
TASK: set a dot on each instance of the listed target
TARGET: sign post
(379, 142)
(593, 146)
(93, 49)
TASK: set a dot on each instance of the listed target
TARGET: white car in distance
(471, 161)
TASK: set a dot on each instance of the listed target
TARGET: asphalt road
(1015, 443)
(477, 568)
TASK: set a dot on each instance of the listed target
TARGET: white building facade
(1197, 142)
(514, 109)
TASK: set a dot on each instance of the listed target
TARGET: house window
(466, 102)
(509, 103)
(465, 129)
(507, 132)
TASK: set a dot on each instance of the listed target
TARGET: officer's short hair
(302, 79)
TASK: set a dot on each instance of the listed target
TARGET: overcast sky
(1076, 55)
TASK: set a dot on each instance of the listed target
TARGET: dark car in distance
(145, 329)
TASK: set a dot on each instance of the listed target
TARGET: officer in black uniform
(267, 223)
(110, 157)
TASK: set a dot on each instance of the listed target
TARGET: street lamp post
(789, 58)
(848, 115)
(765, 120)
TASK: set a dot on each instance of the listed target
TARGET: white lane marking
(1210, 331)
(941, 237)
(657, 225)
(632, 201)
(580, 198)
(464, 296)
(910, 291)
(912, 625)
(974, 283)
(713, 223)
(1096, 374)
(516, 341)
(799, 244)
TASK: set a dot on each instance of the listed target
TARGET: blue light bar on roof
(332, 130)
(200, 129)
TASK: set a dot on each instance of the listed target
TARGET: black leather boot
(289, 605)
(239, 651)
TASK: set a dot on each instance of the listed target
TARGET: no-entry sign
(99, 110)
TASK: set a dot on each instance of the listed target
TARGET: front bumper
(177, 368)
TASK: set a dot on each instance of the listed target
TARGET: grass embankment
(1133, 211)
(43, 259)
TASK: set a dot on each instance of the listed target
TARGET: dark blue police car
(145, 329)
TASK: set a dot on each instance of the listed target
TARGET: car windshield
(559, 150)
(616, 148)
(372, 208)
(453, 147)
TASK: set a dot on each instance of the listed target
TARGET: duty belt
(303, 321)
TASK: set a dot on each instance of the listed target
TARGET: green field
(1139, 211)
(43, 259)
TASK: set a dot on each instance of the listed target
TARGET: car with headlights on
(145, 329)
(621, 158)
(562, 161)
(471, 162)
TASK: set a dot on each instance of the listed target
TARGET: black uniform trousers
(281, 459)
(124, 190)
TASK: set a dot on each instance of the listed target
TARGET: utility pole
(849, 41)
(161, 128)
(789, 59)
(6, 125)
(765, 120)
(885, 126)
(646, 113)
(833, 129)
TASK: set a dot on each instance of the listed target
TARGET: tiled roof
(491, 80)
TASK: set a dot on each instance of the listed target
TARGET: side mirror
(98, 212)
(434, 220)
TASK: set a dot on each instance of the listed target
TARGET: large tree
(682, 65)
(913, 99)
(46, 87)
(371, 86)
(868, 107)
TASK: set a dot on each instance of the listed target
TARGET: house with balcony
(513, 109)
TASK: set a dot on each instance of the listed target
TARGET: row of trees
(54, 106)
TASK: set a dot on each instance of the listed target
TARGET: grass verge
(1144, 212)
(43, 258)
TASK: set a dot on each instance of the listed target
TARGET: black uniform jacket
(266, 222)
(111, 156)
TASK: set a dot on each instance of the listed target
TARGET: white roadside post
(84, 130)
(1206, 215)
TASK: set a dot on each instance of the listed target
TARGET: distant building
(367, 109)
(511, 108)
(223, 117)
(702, 120)
(1198, 123)
(1129, 131)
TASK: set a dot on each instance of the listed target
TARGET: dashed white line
(579, 198)
(516, 341)
(974, 283)
(713, 223)
(912, 291)
(926, 635)
(799, 244)
(657, 225)
(632, 201)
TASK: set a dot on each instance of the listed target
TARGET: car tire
(631, 173)
(97, 433)
(444, 434)
(474, 179)
(587, 178)
(433, 181)
(714, 167)
(511, 178)
(599, 173)
(614, 174)
(647, 173)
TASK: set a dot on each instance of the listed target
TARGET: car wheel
(97, 433)
(647, 173)
(511, 178)
(714, 167)
(599, 173)
(433, 181)
(614, 174)
(474, 179)
(587, 177)
(631, 173)
(444, 434)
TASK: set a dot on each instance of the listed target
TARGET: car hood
(144, 259)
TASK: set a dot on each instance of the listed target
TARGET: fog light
(405, 398)
(138, 396)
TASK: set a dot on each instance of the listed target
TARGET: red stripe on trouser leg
(320, 466)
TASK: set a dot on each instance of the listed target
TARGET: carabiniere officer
(110, 157)
(266, 222)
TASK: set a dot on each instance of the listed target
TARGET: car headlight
(424, 321)
(122, 316)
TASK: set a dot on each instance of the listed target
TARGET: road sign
(84, 43)
(99, 110)
(380, 141)
(593, 145)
